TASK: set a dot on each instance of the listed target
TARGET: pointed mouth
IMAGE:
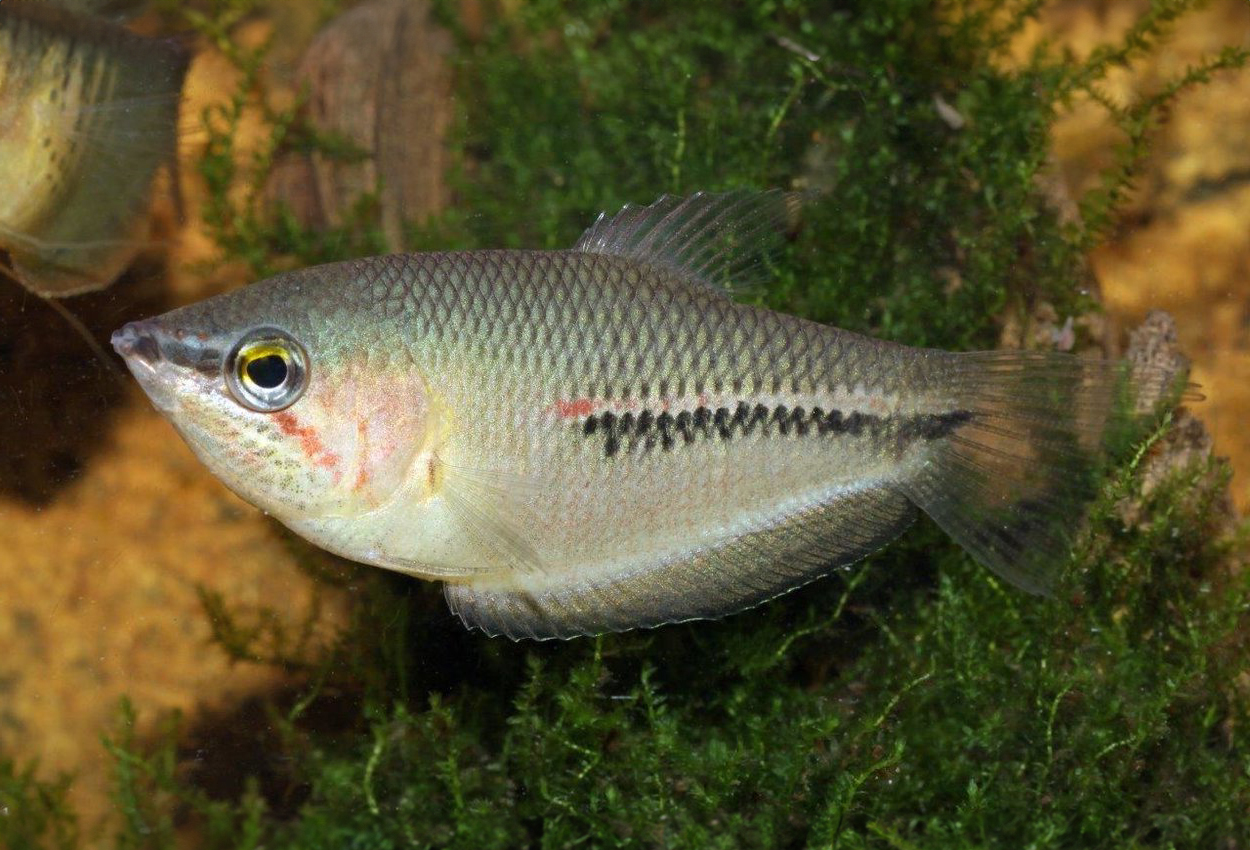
(142, 345)
(136, 343)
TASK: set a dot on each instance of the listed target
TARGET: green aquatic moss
(910, 701)
(879, 708)
(34, 812)
(919, 227)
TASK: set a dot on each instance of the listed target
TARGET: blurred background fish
(118, 10)
(88, 118)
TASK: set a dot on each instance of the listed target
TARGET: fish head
(306, 411)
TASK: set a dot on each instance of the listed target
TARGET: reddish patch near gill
(309, 441)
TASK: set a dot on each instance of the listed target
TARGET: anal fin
(709, 583)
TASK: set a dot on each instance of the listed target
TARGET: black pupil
(267, 372)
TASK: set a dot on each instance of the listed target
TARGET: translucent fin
(706, 584)
(117, 10)
(719, 239)
(111, 132)
(490, 507)
(61, 269)
(1011, 484)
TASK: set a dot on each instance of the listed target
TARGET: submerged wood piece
(377, 77)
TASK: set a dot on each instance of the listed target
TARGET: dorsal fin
(720, 239)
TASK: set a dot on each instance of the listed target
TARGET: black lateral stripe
(701, 418)
(798, 417)
(933, 426)
(664, 422)
(758, 417)
(781, 415)
(649, 429)
(612, 442)
(683, 426)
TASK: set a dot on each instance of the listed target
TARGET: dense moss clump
(942, 712)
(910, 701)
(34, 813)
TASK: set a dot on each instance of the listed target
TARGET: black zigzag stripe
(664, 429)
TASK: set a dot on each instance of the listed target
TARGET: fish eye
(266, 371)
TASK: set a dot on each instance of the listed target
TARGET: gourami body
(88, 115)
(600, 439)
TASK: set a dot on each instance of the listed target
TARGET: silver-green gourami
(88, 116)
(600, 439)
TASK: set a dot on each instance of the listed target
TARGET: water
(910, 698)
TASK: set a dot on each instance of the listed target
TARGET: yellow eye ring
(267, 370)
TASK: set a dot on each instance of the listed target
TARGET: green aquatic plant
(950, 711)
(34, 812)
(910, 701)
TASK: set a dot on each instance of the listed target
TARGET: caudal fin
(1011, 484)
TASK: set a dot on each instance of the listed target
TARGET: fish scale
(600, 438)
(596, 301)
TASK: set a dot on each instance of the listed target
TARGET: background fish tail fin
(1012, 482)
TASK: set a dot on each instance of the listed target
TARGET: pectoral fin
(490, 507)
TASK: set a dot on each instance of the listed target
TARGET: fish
(88, 117)
(601, 438)
(116, 10)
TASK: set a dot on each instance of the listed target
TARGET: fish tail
(1012, 482)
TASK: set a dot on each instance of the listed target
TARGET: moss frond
(34, 812)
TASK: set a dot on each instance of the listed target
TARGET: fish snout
(137, 344)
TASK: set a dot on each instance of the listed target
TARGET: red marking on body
(575, 408)
(361, 455)
(579, 407)
(308, 440)
(362, 452)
